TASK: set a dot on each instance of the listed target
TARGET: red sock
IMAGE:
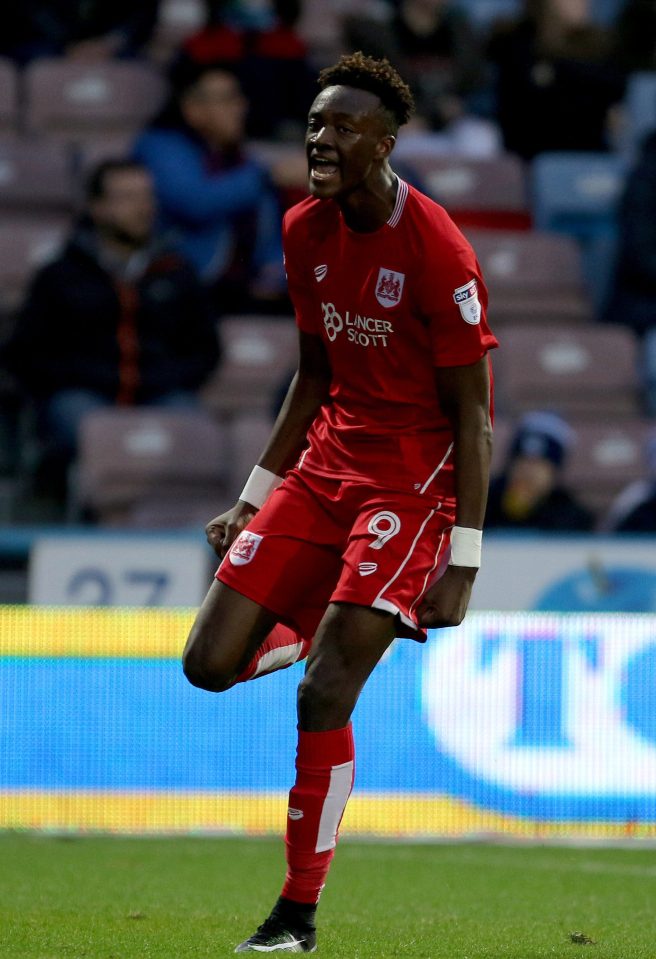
(325, 765)
(282, 648)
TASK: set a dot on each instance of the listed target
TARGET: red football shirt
(390, 306)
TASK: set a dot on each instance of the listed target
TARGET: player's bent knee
(203, 673)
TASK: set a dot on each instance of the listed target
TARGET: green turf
(109, 898)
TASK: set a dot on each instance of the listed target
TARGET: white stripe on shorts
(436, 470)
(379, 599)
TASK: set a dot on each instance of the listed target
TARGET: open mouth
(321, 169)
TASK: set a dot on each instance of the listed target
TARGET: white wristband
(466, 546)
(259, 484)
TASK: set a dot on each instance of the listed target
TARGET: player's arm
(464, 394)
(308, 390)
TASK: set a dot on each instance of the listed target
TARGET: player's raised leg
(225, 637)
(349, 643)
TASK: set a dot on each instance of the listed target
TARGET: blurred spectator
(219, 202)
(116, 319)
(84, 29)
(556, 80)
(633, 297)
(270, 58)
(634, 47)
(434, 46)
(634, 510)
(529, 494)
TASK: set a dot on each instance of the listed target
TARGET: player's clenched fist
(223, 530)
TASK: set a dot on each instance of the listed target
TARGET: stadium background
(517, 724)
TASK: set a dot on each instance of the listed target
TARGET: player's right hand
(223, 530)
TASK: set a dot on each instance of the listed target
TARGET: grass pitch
(115, 898)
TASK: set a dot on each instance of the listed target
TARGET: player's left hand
(446, 602)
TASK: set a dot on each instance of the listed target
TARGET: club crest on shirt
(467, 299)
(244, 548)
(389, 287)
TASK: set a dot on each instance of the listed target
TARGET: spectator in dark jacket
(530, 494)
(217, 199)
(116, 319)
(633, 298)
(556, 79)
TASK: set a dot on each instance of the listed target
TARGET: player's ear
(385, 146)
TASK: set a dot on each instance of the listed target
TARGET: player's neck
(369, 208)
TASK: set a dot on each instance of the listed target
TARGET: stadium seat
(258, 354)
(177, 19)
(147, 466)
(483, 13)
(606, 457)
(589, 371)
(25, 246)
(248, 434)
(649, 371)
(8, 96)
(72, 100)
(36, 178)
(288, 165)
(640, 110)
(99, 147)
(532, 277)
(488, 193)
(577, 193)
(605, 12)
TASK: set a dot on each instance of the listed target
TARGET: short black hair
(96, 181)
(376, 76)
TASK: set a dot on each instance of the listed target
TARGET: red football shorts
(319, 540)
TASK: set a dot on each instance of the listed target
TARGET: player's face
(346, 141)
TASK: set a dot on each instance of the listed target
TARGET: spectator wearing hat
(634, 509)
(529, 493)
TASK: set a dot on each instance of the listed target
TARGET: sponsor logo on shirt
(389, 287)
(244, 548)
(361, 330)
(320, 272)
(466, 298)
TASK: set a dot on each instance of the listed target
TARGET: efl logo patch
(389, 287)
(320, 272)
(295, 813)
(366, 569)
(244, 548)
(467, 299)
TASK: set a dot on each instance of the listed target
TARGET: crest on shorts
(244, 548)
(467, 299)
(389, 287)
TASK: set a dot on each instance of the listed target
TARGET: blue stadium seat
(605, 12)
(483, 13)
(640, 108)
(577, 193)
(649, 371)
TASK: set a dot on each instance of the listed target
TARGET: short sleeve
(453, 297)
(300, 293)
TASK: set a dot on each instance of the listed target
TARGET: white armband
(466, 546)
(258, 486)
